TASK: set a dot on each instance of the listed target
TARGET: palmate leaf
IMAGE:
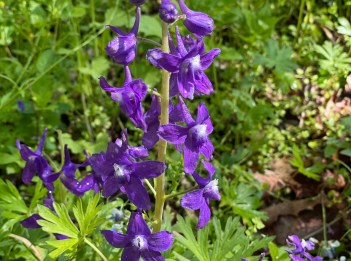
(199, 247)
(228, 243)
(60, 223)
(62, 246)
(88, 218)
(10, 199)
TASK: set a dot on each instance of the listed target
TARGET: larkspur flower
(139, 242)
(118, 172)
(36, 163)
(200, 24)
(199, 199)
(194, 136)
(168, 11)
(129, 97)
(122, 49)
(301, 248)
(69, 178)
(186, 67)
(150, 137)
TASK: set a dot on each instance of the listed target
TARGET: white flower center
(195, 62)
(213, 185)
(118, 170)
(200, 130)
(139, 242)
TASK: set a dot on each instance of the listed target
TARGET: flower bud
(168, 11)
(122, 49)
(137, 2)
(198, 23)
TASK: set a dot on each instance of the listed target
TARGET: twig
(29, 245)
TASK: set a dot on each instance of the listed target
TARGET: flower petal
(137, 225)
(41, 143)
(115, 239)
(202, 182)
(137, 193)
(130, 254)
(173, 133)
(31, 222)
(160, 241)
(207, 58)
(204, 216)
(186, 114)
(191, 157)
(110, 186)
(166, 61)
(207, 149)
(148, 169)
(29, 172)
(192, 200)
(152, 256)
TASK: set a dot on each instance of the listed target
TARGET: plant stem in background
(162, 145)
(95, 249)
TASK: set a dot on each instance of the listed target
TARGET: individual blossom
(194, 136)
(137, 2)
(150, 137)
(199, 199)
(200, 24)
(129, 97)
(122, 49)
(37, 164)
(139, 242)
(69, 178)
(301, 248)
(186, 67)
(168, 11)
(119, 173)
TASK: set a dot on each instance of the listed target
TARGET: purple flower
(139, 242)
(137, 2)
(118, 172)
(36, 163)
(194, 136)
(199, 199)
(150, 137)
(301, 248)
(69, 178)
(198, 23)
(122, 49)
(168, 11)
(129, 97)
(186, 66)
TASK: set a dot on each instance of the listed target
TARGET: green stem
(324, 218)
(95, 249)
(146, 40)
(299, 22)
(162, 145)
(179, 193)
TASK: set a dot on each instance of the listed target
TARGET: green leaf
(45, 59)
(62, 246)
(6, 158)
(60, 223)
(150, 26)
(189, 241)
(10, 199)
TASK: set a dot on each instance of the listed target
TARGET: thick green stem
(162, 145)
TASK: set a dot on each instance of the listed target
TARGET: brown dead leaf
(333, 180)
(279, 176)
(292, 208)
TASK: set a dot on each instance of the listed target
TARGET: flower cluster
(123, 168)
(301, 248)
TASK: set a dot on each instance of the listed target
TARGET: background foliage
(282, 94)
